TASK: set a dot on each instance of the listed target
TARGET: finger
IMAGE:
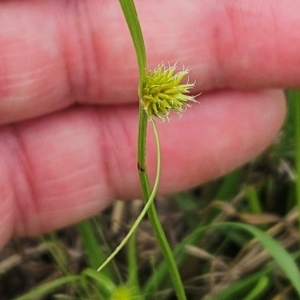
(56, 53)
(67, 166)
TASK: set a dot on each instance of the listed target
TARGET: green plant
(160, 92)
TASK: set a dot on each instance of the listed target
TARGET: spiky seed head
(163, 91)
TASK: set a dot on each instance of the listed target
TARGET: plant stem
(152, 214)
(146, 207)
(132, 20)
(134, 27)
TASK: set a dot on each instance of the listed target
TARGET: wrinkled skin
(68, 101)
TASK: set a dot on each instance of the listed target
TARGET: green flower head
(163, 91)
(124, 292)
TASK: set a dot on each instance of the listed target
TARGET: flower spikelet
(163, 91)
(124, 292)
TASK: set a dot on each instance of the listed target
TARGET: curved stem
(146, 207)
(152, 214)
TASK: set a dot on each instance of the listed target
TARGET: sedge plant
(160, 92)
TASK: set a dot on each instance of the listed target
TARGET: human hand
(68, 99)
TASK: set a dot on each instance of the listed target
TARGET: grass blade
(93, 250)
(133, 23)
(48, 287)
(283, 259)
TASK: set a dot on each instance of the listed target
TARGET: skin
(68, 101)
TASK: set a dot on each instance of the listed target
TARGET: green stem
(132, 20)
(146, 207)
(150, 208)
(152, 214)
(134, 26)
